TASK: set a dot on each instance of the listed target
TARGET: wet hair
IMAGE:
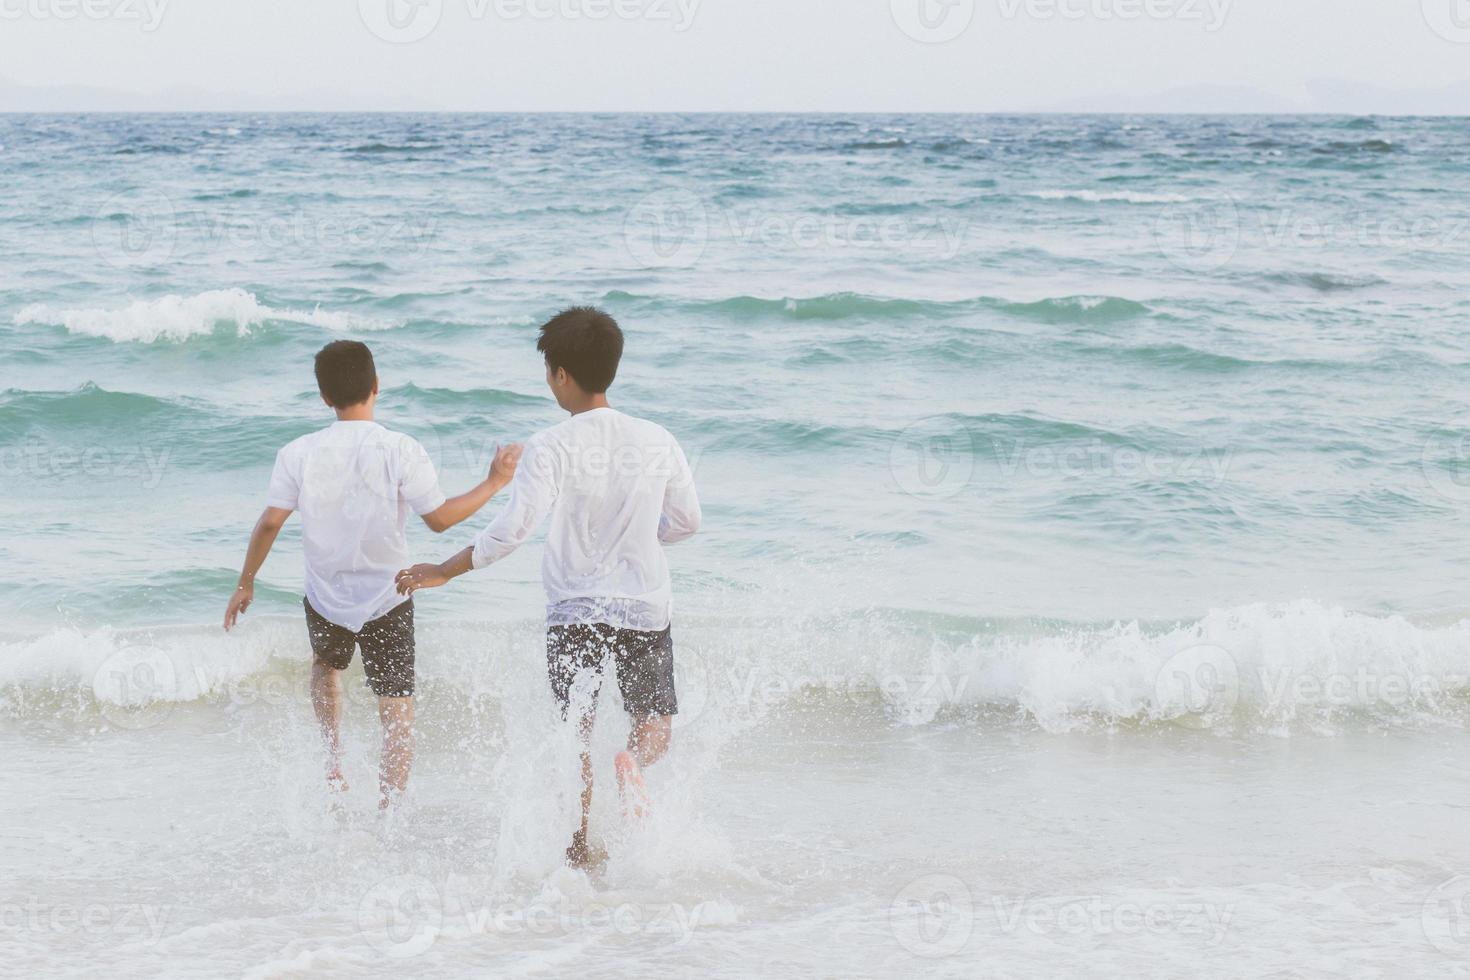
(585, 341)
(345, 373)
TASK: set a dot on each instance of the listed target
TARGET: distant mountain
(1321, 95)
(79, 98)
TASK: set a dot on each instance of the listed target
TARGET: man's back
(615, 488)
(354, 485)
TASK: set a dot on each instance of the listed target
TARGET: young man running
(617, 488)
(354, 483)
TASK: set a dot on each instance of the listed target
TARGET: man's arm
(456, 510)
(681, 515)
(429, 576)
(272, 519)
(532, 493)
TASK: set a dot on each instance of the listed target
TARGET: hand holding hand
(410, 580)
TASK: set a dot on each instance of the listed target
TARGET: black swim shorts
(387, 648)
(644, 662)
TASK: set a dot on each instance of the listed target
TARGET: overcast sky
(842, 55)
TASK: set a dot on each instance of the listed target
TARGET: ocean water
(1082, 587)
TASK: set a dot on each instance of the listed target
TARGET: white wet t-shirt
(616, 489)
(354, 484)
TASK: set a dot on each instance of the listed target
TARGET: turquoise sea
(1083, 495)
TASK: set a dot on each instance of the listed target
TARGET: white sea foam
(1109, 197)
(176, 318)
(1267, 668)
(1272, 668)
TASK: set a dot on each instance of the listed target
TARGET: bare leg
(581, 854)
(647, 743)
(326, 701)
(398, 745)
(649, 740)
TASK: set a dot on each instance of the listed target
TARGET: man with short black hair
(355, 483)
(616, 489)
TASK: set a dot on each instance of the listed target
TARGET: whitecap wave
(1110, 197)
(177, 318)
(1267, 669)
(1279, 669)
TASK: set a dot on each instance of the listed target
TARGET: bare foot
(335, 779)
(585, 856)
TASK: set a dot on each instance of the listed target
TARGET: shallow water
(1080, 589)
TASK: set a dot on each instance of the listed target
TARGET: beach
(1079, 589)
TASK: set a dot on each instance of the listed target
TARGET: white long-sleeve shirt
(617, 489)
